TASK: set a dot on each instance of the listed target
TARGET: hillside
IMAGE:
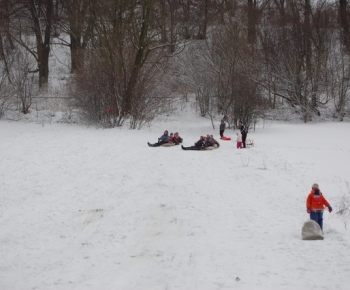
(86, 208)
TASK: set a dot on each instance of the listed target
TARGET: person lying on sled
(208, 142)
(200, 144)
(177, 139)
(211, 138)
(161, 140)
(171, 138)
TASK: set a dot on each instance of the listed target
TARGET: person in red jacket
(171, 138)
(177, 139)
(315, 205)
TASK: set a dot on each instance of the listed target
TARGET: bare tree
(344, 23)
(339, 81)
(4, 27)
(130, 49)
(220, 75)
(252, 16)
(76, 20)
(140, 56)
(41, 13)
(21, 79)
(6, 94)
(33, 17)
(99, 92)
(94, 92)
(198, 77)
(297, 58)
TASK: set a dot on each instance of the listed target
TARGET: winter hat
(315, 185)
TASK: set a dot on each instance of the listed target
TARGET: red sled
(225, 138)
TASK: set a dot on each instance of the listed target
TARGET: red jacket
(316, 202)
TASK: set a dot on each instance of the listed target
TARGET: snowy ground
(85, 208)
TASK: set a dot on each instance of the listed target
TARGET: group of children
(203, 142)
(315, 201)
(166, 138)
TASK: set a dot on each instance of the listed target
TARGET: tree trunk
(139, 59)
(344, 22)
(202, 30)
(42, 38)
(77, 52)
(308, 48)
(251, 21)
(81, 22)
(44, 65)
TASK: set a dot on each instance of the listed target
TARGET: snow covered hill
(85, 208)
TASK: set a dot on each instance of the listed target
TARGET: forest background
(129, 60)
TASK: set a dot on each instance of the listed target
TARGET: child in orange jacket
(315, 204)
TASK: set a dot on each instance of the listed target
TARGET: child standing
(315, 204)
(239, 140)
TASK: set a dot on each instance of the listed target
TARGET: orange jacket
(316, 202)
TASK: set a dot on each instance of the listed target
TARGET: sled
(208, 148)
(311, 231)
(225, 138)
(249, 143)
(163, 145)
(215, 146)
(201, 149)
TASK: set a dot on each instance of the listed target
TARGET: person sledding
(204, 143)
(315, 205)
(171, 138)
(177, 139)
(210, 141)
(199, 145)
(161, 140)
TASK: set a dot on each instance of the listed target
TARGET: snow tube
(167, 145)
(209, 148)
(311, 231)
(201, 149)
(249, 142)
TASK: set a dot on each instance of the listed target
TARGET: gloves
(308, 210)
(330, 209)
